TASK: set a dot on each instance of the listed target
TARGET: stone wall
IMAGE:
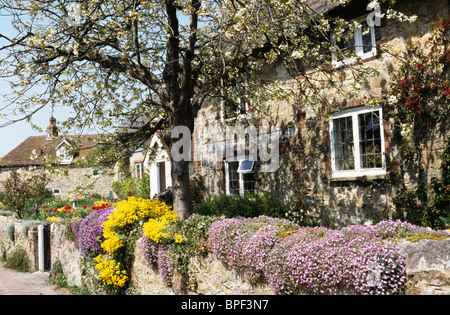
(27, 242)
(69, 179)
(427, 267)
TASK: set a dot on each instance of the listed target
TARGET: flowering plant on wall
(418, 100)
(110, 271)
(157, 214)
(89, 232)
(159, 255)
(315, 260)
(119, 233)
(421, 86)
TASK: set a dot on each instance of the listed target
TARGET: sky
(15, 134)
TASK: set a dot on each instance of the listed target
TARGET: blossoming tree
(114, 62)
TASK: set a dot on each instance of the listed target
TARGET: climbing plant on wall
(419, 100)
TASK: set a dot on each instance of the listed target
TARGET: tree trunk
(178, 98)
(182, 196)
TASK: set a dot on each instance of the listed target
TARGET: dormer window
(62, 153)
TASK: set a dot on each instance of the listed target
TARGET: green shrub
(23, 193)
(56, 275)
(19, 261)
(250, 205)
(126, 188)
(10, 231)
(144, 186)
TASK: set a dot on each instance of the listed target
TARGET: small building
(67, 156)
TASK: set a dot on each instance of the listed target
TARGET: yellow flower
(178, 238)
(110, 271)
(112, 241)
(153, 229)
(133, 210)
(53, 219)
(157, 215)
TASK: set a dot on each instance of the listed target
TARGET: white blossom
(298, 54)
(372, 5)
(393, 100)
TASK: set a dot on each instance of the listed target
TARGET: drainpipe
(41, 248)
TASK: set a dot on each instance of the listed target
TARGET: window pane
(233, 178)
(343, 143)
(230, 110)
(346, 46)
(370, 140)
(249, 182)
(366, 37)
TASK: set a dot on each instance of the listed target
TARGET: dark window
(233, 178)
(343, 144)
(370, 140)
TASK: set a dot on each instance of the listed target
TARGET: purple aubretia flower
(89, 232)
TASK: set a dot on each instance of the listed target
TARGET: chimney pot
(52, 130)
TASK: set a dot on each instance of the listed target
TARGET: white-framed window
(138, 170)
(240, 177)
(63, 155)
(95, 171)
(56, 191)
(230, 110)
(239, 107)
(362, 44)
(357, 143)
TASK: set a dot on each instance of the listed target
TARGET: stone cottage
(154, 160)
(68, 157)
(336, 158)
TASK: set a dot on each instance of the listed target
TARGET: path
(23, 283)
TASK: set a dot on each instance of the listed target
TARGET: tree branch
(188, 80)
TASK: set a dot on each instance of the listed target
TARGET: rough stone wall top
(427, 254)
(428, 267)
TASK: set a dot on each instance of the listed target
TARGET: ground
(23, 283)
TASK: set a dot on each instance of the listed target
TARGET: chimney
(52, 130)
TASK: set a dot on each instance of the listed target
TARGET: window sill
(235, 118)
(349, 62)
(357, 177)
